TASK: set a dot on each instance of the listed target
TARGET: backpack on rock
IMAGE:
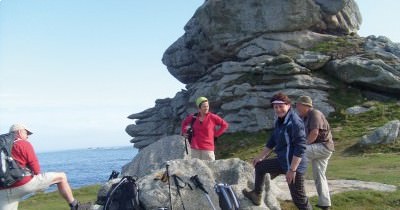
(123, 195)
(227, 197)
(10, 170)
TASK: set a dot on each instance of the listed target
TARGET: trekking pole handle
(196, 181)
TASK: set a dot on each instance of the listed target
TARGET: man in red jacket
(24, 154)
(206, 126)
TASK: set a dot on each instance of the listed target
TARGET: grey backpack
(10, 170)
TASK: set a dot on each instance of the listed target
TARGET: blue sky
(73, 70)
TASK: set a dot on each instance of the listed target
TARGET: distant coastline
(87, 148)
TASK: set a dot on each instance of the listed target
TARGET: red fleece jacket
(24, 154)
(205, 131)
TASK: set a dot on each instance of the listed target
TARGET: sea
(86, 166)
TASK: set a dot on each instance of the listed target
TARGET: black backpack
(227, 198)
(123, 195)
(10, 170)
(190, 130)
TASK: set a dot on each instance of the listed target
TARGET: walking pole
(177, 179)
(169, 186)
(198, 184)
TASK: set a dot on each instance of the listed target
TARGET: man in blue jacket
(289, 142)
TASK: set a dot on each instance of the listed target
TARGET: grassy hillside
(350, 161)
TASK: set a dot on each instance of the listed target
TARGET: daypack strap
(194, 117)
(27, 171)
(190, 130)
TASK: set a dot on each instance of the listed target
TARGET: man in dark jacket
(289, 141)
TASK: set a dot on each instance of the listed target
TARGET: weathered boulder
(235, 172)
(354, 110)
(312, 60)
(162, 120)
(220, 29)
(365, 73)
(384, 135)
(155, 155)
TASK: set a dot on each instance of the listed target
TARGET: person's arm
(299, 144)
(291, 173)
(32, 161)
(185, 125)
(264, 154)
(312, 136)
(223, 126)
(314, 125)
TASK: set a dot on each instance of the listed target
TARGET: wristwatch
(292, 170)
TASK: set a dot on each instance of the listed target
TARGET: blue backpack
(227, 197)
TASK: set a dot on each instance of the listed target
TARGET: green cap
(305, 100)
(200, 100)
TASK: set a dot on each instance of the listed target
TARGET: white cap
(17, 127)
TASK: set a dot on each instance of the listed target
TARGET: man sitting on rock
(22, 151)
(203, 130)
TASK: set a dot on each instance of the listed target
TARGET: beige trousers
(203, 154)
(318, 155)
(9, 198)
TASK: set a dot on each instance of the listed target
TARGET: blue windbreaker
(288, 139)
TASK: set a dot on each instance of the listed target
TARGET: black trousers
(272, 167)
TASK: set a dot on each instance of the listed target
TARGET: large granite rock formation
(239, 53)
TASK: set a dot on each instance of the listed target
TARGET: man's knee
(60, 177)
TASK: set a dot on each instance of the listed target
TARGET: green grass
(242, 145)
(375, 167)
(358, 200)
(339, 47)
(53, 200)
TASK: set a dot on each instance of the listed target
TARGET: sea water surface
(86, 166)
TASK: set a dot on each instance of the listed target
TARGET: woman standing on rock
(289, 142)
(202, 127)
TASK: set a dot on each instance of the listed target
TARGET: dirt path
(335, 186)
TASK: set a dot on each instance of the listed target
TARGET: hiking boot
(323, 207)
(75, 207)
(85, 206)
(79, 206)
(253, 196)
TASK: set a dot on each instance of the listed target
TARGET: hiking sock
(73, 203)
